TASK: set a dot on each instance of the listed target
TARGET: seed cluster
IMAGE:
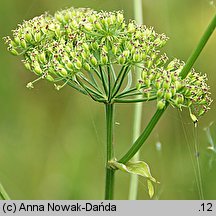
(76, 41)
(164, 82)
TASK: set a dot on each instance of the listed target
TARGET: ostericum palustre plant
(95, 53)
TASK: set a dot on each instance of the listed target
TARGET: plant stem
(137, 110)
(142, 138)
(3, 193)
(193, 57)
(110, 153)
(140, 141)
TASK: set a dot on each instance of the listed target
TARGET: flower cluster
(79, 47)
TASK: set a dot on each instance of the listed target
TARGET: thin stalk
(118, 86)
(193, 57)
(137, 110)
(135, 100)
(77, 88)
(128, 91)
(91, 84)
(117, 79)
(110, 153)
(93, 94)
(109, 81)
(103, 80)
(3, 193)
(141, 139)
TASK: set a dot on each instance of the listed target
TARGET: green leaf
(139, 168)
(150, 188)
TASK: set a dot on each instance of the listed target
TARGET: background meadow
(52, 143)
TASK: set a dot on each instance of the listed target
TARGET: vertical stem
(137, 110)
(3, 193)
(110, 153)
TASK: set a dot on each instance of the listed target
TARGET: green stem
(110, 153)
(118, 86)
(135, 100)
(103, 80)
(193, 57)
(141, 139)
(3, 193)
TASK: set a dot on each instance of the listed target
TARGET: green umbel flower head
(83, 48)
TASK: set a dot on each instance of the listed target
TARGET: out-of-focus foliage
(48, 137)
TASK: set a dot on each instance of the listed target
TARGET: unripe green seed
(37, 69)
(168, 95)
(42, 57)
(93, 60)
(88, 27)
(17, 40)
(104, 59)
(86, 66)
(37, 36)
(161, 104)
(78, 64)
(62, 72)
(49, 78)
(28, 36)
(114, 49)
(27, 65)
(98, 25)
(121, 59)
(194, 118)
(13, 51)
(120, 17)
(160, 93)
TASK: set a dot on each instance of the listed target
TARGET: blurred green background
(52, 143)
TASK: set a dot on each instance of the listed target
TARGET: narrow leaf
(150, 188)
